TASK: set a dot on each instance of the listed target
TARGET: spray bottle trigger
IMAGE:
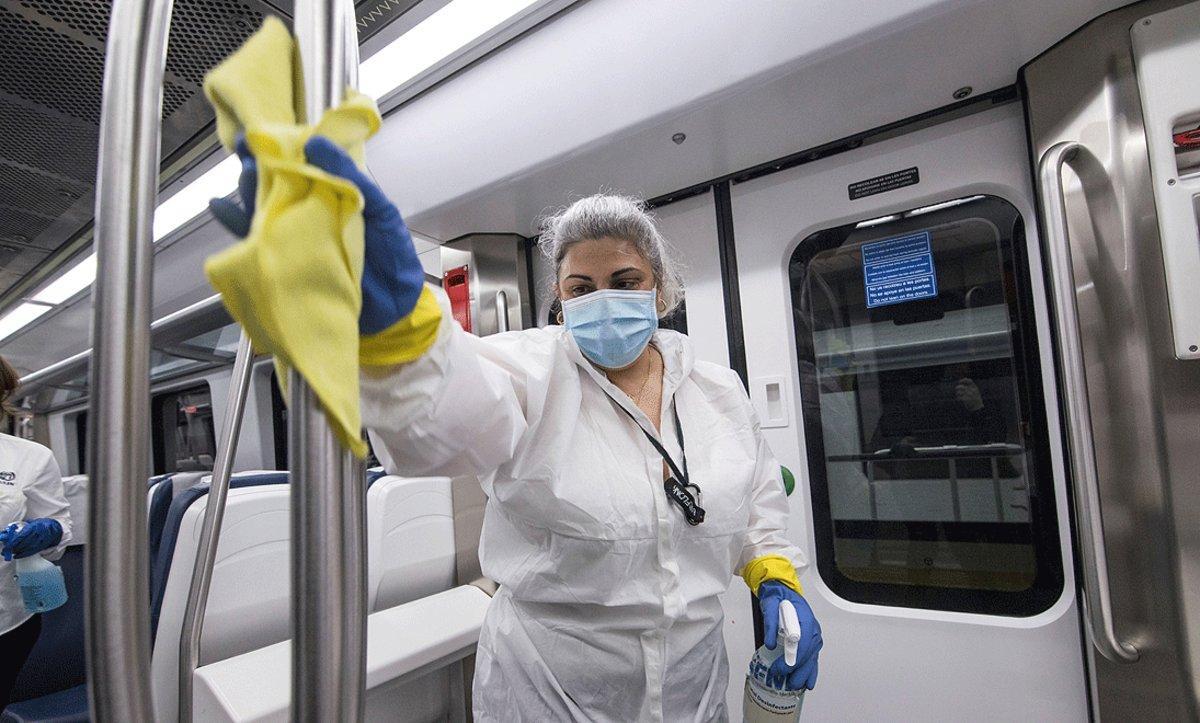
(789, 628)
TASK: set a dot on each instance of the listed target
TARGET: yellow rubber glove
(771, 567)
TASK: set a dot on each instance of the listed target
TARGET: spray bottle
(765, 703)
(41, 582)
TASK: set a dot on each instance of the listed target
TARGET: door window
(918, 368)
(184, 438)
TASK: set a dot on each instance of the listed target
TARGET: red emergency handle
(457, 283)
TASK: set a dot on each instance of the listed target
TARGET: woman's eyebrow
(579, 276)
(626, 270)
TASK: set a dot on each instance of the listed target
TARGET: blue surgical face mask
(612, 326)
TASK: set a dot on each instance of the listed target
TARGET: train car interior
(951, 248)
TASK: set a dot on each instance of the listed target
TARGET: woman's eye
(628, 284)
(580, 290)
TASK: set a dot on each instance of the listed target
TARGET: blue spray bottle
(41, 583)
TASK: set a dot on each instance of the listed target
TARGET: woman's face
(603, 263)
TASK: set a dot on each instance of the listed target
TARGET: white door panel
(690, 226)
(907, 663)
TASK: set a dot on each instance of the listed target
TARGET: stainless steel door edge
(1144, 404)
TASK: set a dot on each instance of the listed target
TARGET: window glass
(184, 437)
(81, 421)
(931, 485)
(221, 341)
(279, 424)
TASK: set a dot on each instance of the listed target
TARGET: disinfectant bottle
(764, 703)
(41, 582)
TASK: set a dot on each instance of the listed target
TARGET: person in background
(34, 519)
(627, 481)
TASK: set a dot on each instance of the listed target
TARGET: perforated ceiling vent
(51, 69)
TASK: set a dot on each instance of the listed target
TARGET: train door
(894, 312)
(1113, 113)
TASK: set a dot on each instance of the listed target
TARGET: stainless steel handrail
(118, 619)
(1085, 477)
(329, 610)
(207, 312)
(192, 630)
(501, 312)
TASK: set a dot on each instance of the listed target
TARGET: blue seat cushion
(57, 659)
(374, 474)
(160, 566)
(65, 706)
(160, 505)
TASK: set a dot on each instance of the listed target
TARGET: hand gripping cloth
(294, 283)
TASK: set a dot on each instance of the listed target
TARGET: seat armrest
(403, 643)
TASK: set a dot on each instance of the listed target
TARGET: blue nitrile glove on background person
(392, 274)
(804, 673)
(18, 541)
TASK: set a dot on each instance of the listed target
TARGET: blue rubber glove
(804, 673)
(233, 216)
(392, 274)
(30, 539)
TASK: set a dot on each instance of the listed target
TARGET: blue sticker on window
(899, 269)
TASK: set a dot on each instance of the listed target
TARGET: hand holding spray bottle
(762, 702)
(40, 581)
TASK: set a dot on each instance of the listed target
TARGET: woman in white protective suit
(627, 481)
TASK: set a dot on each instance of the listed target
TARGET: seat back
(162, 554)
(410, 540)
(250, 594)
(75, 487)
(374, 474)
(163, 491)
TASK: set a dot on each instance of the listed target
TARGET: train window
(930, 479)
(81, 441)
(279, 422)
(183, 436)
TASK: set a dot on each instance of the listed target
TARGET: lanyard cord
(682, 476)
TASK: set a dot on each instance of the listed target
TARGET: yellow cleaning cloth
(771, 567)
(294, 284)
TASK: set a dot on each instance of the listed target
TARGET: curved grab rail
(192, 631)
(118, 619)
(501, 312)
(1085, 477)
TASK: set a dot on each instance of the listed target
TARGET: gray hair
(614, 216)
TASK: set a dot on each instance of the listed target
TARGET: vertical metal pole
(192, 630)
(328, 500)
(118, 621)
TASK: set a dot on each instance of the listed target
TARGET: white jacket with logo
(30, 487)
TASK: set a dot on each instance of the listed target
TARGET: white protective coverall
(30, 487)
(607, 608)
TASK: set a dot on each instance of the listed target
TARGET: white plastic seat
(250, 597)
(75, 487)
(410, 553)
(405, 646)
(410, 540)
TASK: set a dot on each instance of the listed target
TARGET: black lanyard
(679, 490)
